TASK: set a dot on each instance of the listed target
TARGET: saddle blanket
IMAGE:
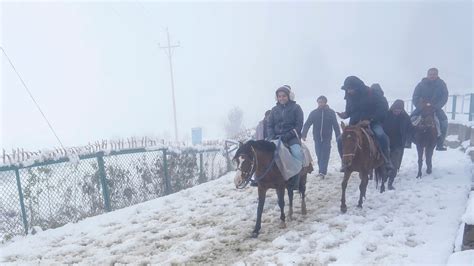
(416, 119)
(288, 165)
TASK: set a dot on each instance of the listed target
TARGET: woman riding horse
(286, 122)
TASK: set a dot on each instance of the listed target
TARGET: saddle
(373, 147)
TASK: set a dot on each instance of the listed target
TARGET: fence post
(453, 107)
(22, 203)
(471, 107)
(103, 182)
(168, 189)
(201, 171)
(229, 167)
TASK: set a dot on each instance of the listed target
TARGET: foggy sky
(98, 73)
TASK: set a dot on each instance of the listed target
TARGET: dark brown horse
(360, 156)
(257, 157)
(425, 137)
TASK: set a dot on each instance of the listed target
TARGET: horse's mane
(263, 145)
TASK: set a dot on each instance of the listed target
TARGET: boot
(388, 161)
(440, 145)
(444, 130)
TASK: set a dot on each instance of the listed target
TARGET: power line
(32, 98)
(170, 55)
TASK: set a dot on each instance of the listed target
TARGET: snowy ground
(415, 224)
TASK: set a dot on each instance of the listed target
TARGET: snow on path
(211, 223)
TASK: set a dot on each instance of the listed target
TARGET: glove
(364, 123)
(287, 136)
(342, 115)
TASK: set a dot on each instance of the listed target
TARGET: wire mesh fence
(50, 194)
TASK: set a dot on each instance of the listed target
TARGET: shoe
(390, 187)
(441, 148)
(320, 175)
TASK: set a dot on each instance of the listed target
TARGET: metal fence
(52, 193)
(459, 106)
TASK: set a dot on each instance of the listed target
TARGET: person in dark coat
(323, 120)
(397, 125)
(432, 89)
(261, 130)
(286, 122)
(366, 104)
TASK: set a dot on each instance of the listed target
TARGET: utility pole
(170, 55)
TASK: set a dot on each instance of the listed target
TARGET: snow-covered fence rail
(459, 107)
(50, 193)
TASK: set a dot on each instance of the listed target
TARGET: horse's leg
(364, 180)
(383, 173)
(377, 178)
(347, 174)
(429, 157)
(290, 202)
(281, 203)
(261, 201)
(419, 149)
(302, 191)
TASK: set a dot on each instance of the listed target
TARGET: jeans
(297, 152)
(323, 149)
(396, 155)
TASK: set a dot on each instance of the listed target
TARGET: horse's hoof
(343, 209)
(359, 206)
(428, 171)
(254, 234)
(282, 225)
(304, 212)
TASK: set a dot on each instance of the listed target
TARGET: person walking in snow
(323, 120)
(397, 126)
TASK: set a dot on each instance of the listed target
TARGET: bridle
(254, 165)
(357, 146)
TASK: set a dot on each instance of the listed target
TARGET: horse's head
(427, 115)
(245, 160)
(427, 109)
(351, 138)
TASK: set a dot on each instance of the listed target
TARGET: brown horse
(359, 156)
(425, 137)
(257, 157)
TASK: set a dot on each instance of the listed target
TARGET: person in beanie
(366, 104)
(323, 120)
(285, 122)
(397, 125)
(432, 89)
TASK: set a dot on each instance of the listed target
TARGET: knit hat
(287, 90)
(353, 82)
(398, 104)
